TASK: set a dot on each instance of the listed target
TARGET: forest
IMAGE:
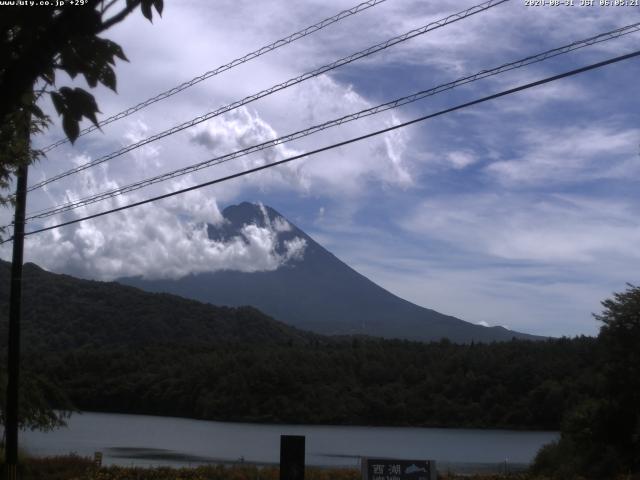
(518, 384)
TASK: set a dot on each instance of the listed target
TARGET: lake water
(146, 440)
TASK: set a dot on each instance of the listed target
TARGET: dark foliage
(601, 437)
(37, 394)
(383, 382)
(63, 313)
(38, 42)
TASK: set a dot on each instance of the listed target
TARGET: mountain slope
(318, 292)
(62, 312)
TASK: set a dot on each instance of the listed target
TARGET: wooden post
(15, 313)
(292, 457)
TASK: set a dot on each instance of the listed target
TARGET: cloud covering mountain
(314, 290)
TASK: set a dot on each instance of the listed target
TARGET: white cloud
(346, 170)
(159, 62)
(461, 159)
(198, 206)
(154, 243)
(542, 229)
(278, 224)
(167, 239)
(571, 154)
(241, 129)
(147, 157)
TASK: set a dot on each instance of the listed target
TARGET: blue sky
(520, 212)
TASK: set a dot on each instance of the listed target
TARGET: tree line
(517, 384)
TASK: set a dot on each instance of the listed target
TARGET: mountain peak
(317, 292)
(247, 213)
(276, 227)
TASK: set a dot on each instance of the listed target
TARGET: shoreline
(328, 425)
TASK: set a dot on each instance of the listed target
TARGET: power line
(336, 122)
(223, 68)
(346, 142)
(293, 81)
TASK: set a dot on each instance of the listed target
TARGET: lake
(147, 440)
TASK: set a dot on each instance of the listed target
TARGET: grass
(52, 468)
(73, 467)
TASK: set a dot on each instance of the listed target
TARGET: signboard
(393, 469)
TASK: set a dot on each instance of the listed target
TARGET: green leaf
(71, 127)
(92, 57)
(91, 77)
(73, 105)
(82, 103)
(37, 112)
(145, 6)
(118, 52)
(66, 94)
(159, 4)
(115, 51)
(58, 102)
(69, 61)
(108, 77)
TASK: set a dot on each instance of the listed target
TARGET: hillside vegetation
(517, 384)
(62, 313)
(114, 348)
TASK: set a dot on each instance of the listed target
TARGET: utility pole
(15, 314)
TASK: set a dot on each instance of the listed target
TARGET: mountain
(317, 292)
(61, 313)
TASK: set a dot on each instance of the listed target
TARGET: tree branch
(108, 6)
(117, 18)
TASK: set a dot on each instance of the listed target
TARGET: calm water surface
(147, 440)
